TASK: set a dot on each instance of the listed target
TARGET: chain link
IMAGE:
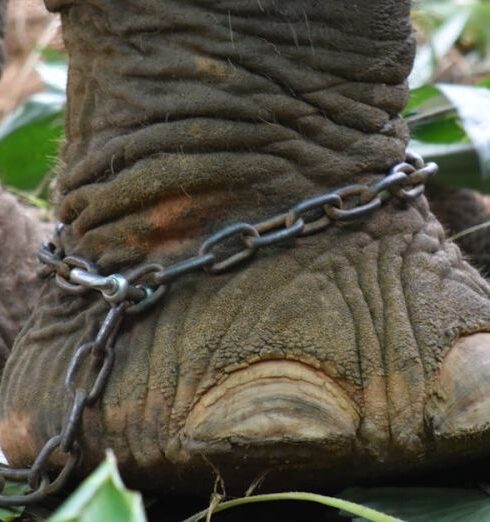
(143, 287)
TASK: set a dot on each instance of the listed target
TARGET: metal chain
(144, 286)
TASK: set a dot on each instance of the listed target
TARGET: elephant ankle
(174, 227)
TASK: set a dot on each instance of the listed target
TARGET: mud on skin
(348, 353)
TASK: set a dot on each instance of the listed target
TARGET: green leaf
(38, 107)
(450, 125)
(444, 129)
(477, 32)
(102, 497)
(485, 83)
(29, 140)
(441, 42)
(473, 106)
(425, 504)
(424, 99)
(53, 55)
(11, 489)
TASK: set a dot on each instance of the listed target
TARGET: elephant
(22, 230)
(359, 351)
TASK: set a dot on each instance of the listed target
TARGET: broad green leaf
(424, 100)
(30, 135)
(425, 504)
(445, 129)
(450, 124)
(441, 42)
(102, 497)
(28, 154)
(473, 106)
(13, 513)
(29, 140)
(38, 107)
(427, 105)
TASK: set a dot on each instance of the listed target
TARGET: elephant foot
(358, 351)
(362, 345)
(459, 404)
(273, 404)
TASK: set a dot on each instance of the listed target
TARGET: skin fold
(343, 355)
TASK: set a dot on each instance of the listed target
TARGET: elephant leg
(320, 358)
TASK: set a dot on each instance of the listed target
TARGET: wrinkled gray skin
(21, 231)
(359, 351)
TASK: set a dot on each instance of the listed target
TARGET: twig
(470, 230)
(427, 116)
(344, 505)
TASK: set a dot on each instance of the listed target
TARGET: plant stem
(470, 230)
(344, 505)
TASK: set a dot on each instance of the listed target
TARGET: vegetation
(449, 116)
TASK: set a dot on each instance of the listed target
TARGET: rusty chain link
(144, 286)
